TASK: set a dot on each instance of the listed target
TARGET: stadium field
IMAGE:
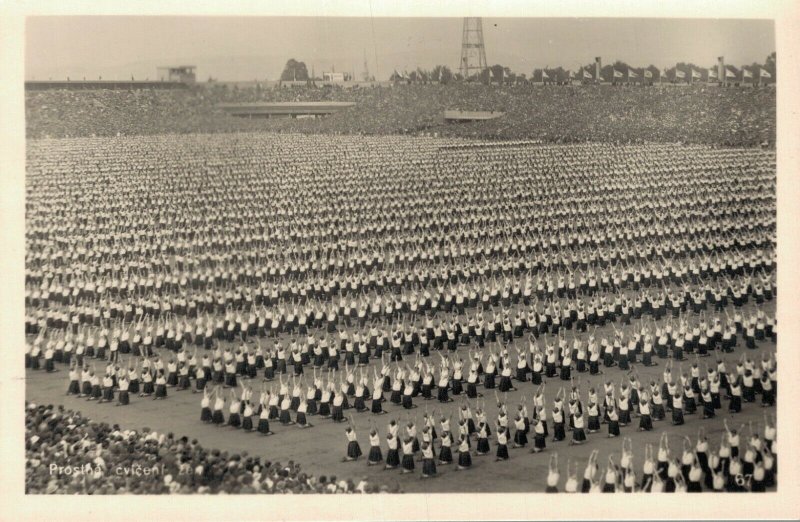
(310, 209)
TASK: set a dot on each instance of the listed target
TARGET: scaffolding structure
(473, 51)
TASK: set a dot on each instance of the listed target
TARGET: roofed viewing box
(178, 73)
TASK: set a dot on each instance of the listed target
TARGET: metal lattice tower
(473, 52)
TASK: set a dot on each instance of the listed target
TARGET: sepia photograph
(400, 255)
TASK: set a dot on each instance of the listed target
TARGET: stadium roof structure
(42, 85)
(249, 110)
(472, 115)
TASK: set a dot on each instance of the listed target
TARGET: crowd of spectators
(563, 114)
(67, 453)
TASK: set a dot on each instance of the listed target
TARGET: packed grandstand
(707, 114)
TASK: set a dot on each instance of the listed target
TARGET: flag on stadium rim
(712, 73)
(765, 73)
(729, 73)
(748, 74)
(586, 74)
(680, 74)
(617, 74)
(696, 74)
(545, 76)
(632, 73)
(648, 73)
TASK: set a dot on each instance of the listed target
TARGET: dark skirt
(74, 388)
(445, 454)
(502, 451)
(247, 423)
(124, 398)
(645, 423)
(408, 462)
(422, 389)
(428, 467)
(558, 431)
(613, 428)
(205, 414)
(768, 397)
(539, 441)
(161, 391)
(393, 458)
(263, 426)
(520, 438)
(353, 449)
(594, 423)
(677, 416)
(483, 445)
(578, 435)
(234, 420)
(464, 459)
(217, 417)
(375, 454)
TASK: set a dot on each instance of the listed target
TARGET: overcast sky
(248, 48)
